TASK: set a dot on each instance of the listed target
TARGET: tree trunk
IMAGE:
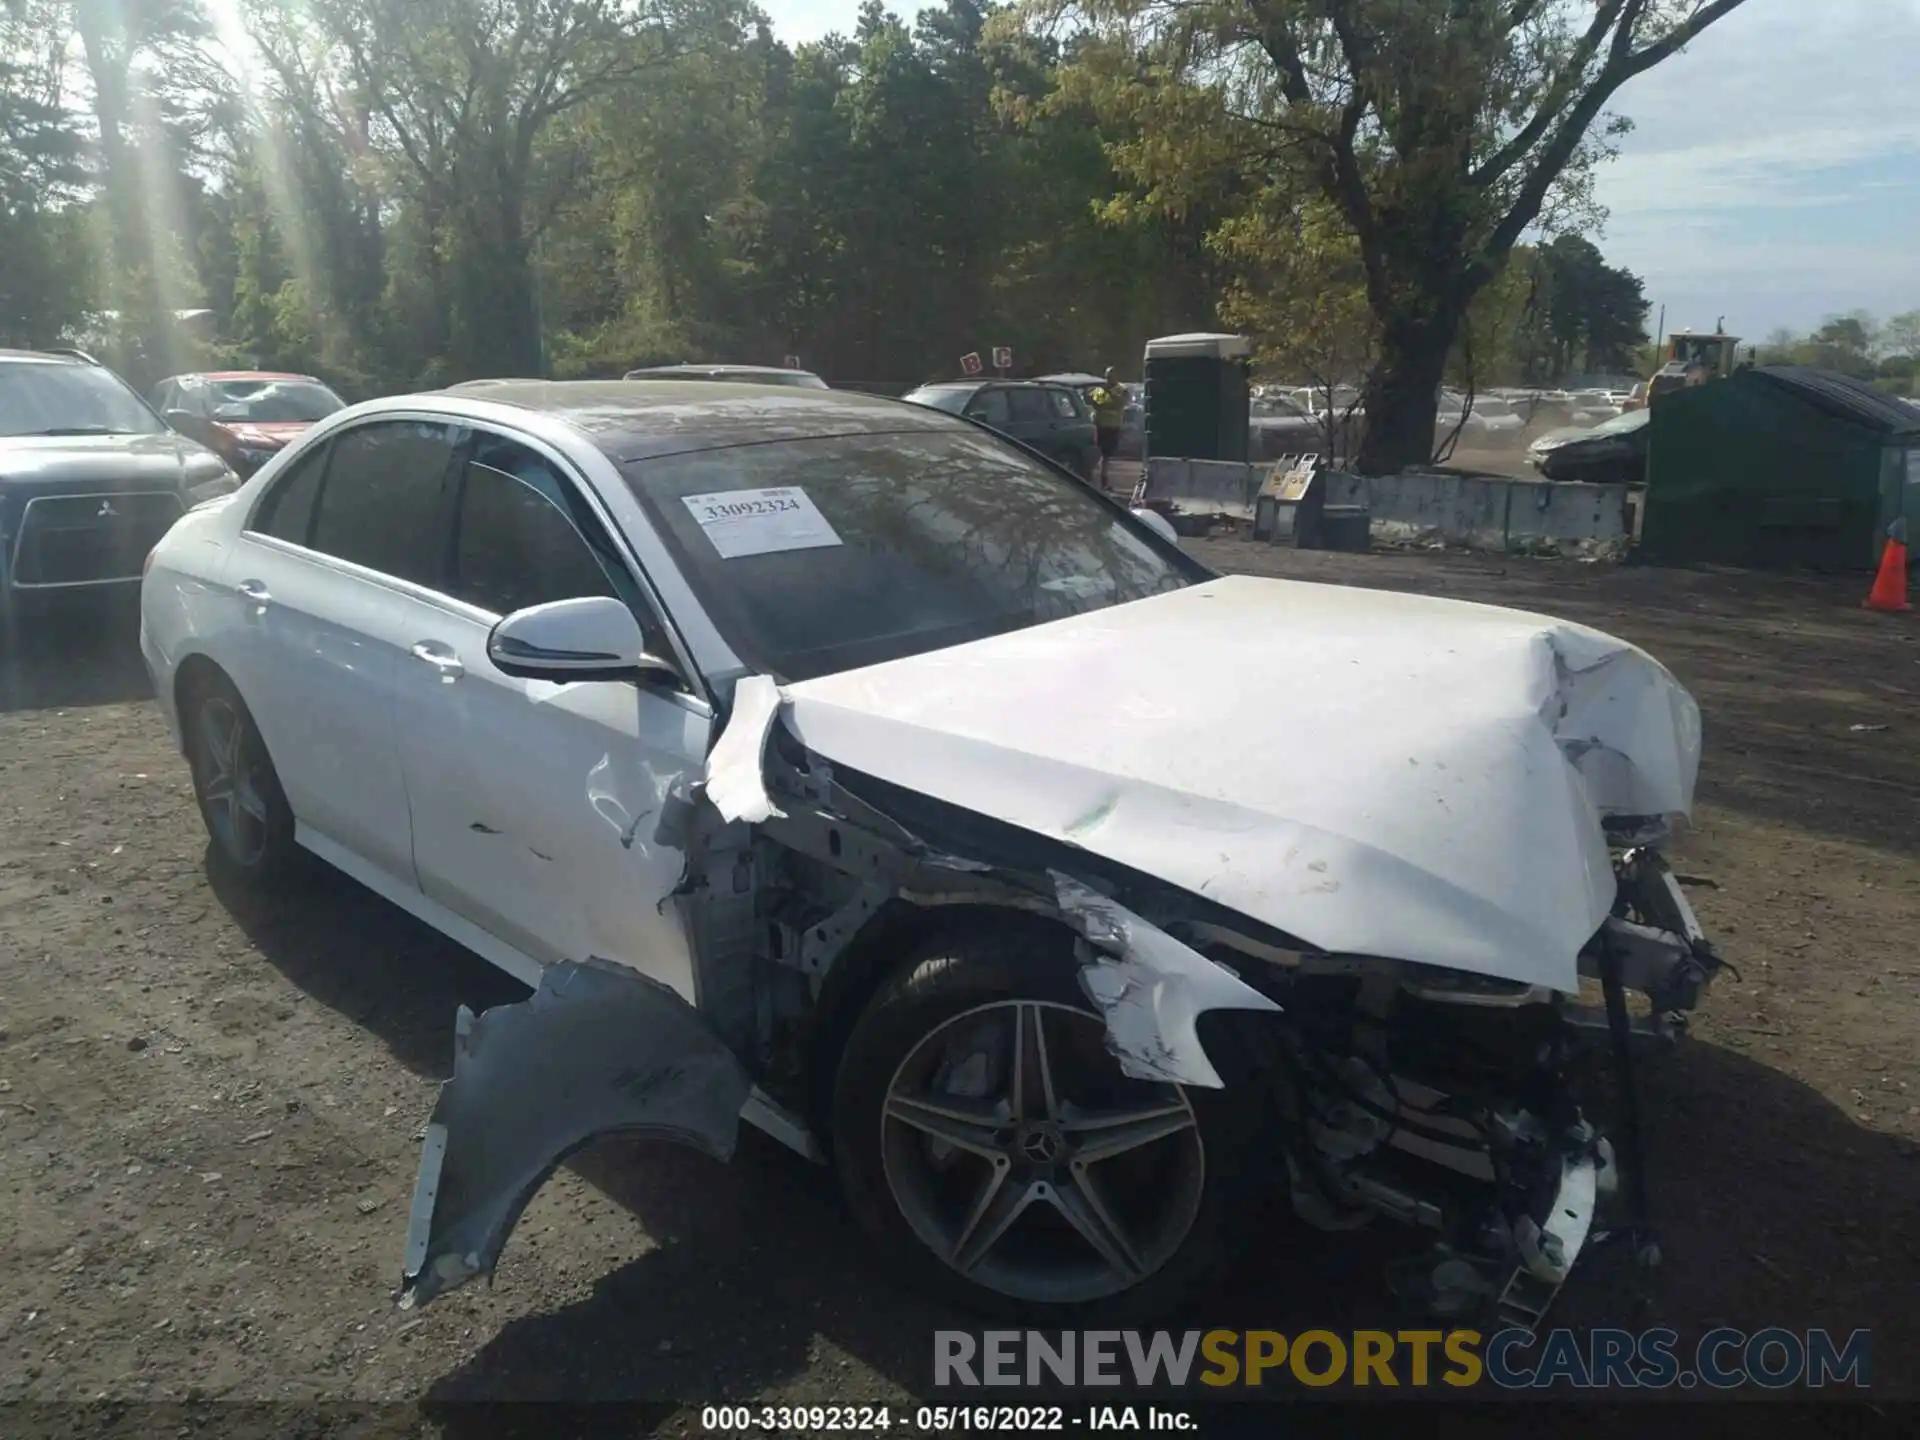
(1402, 391)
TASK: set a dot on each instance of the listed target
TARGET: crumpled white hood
(1374, 773)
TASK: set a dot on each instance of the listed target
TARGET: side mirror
(592, 638)
(187, 423)
(1159, 524)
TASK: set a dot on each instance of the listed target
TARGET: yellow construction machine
(1691, 359)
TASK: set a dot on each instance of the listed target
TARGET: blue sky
(1773, 174)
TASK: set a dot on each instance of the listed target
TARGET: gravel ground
(209, 1110)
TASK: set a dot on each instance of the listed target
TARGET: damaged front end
(1447, 1100)
(1460, 1103)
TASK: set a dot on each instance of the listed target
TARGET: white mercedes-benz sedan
(839, 765)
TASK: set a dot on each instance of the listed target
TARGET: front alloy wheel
(1066, 1182)
(989, 1142)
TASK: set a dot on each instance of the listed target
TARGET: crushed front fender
(598, 1048)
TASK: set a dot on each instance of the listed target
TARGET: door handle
(440, 656)
(255, 593)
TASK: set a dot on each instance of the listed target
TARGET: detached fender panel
(596, 1049)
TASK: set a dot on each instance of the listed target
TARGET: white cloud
(1787, 115)
(1774, 95)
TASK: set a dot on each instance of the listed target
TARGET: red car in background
(245, 416)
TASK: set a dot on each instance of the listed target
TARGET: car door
(1075, 438)
(535, 805)
(989, 407)
(334, 553)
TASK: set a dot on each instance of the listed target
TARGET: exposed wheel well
(896, 931)
(192, 676)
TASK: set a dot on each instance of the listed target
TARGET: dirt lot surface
(209, 1110)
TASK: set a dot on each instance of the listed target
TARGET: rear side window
(287, 511)
(383, 502)
(515, 544)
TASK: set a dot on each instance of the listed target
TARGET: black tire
(268, 855)
(1018, 959)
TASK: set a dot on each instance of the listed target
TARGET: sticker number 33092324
(760, 522)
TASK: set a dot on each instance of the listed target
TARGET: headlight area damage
(1433, 1095)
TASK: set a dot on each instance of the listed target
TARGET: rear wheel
(246, 812)
(992, 1148)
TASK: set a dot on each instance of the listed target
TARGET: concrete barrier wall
(1487, 512)
(1226, 485)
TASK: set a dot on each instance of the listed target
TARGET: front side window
(55, 398)
(813, 556)
(383, 503)
(1063, 404)
(514, 542)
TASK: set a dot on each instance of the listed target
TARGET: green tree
(1900, 336)
(1595, 314)
(43, 277)
(1440, 133)
(1845, 343)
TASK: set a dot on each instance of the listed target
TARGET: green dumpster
(1779, 466)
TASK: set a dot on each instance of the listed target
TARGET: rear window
(952, 401)
(814, 556)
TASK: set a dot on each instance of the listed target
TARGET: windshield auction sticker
(761, 522)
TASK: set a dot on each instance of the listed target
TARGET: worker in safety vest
(1109, 414)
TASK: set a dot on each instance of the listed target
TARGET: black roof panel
(1847, 398)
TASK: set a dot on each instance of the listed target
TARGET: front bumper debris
(597, 1048)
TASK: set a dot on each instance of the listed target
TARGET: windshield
(814, 556)
(1622, 424)
(272, 402)
(57, 399)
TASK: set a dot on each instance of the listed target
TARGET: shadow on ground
(1773, 1208)
(82, 651)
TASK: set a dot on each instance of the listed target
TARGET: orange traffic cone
(1890, 585)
